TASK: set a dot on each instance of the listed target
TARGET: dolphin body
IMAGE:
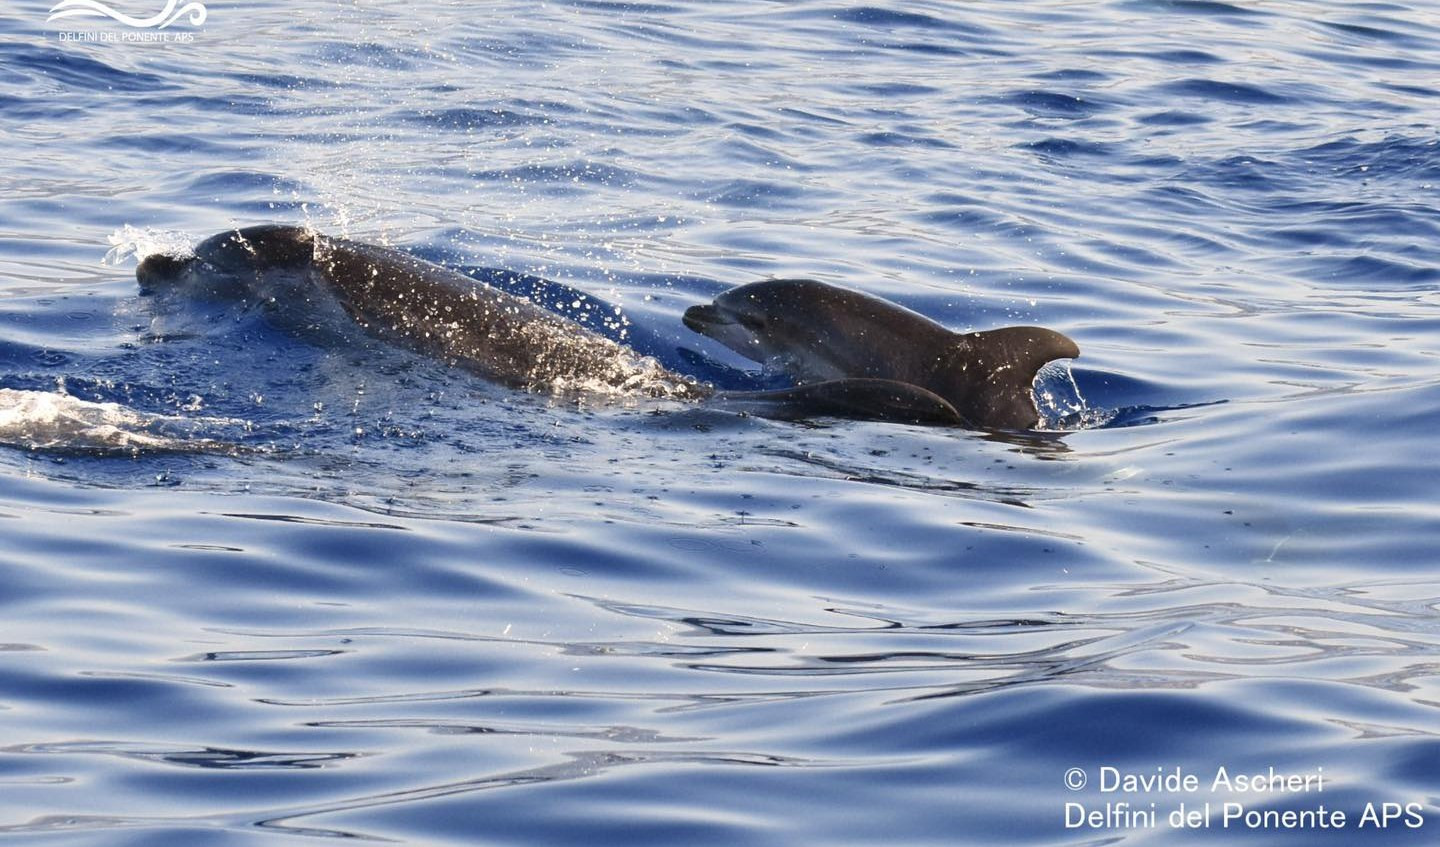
(841, 365)
(445, 314)
(417, 304)
(817, 332)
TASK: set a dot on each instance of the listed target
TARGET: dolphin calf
(445, 314)
(817, 332)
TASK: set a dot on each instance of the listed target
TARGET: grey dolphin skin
(818, 332)
(429, 308)
(855, 356)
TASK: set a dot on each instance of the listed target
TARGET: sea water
(345, 592)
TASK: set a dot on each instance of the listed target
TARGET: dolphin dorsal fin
(988, 376)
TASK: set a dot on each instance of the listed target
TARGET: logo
(96, 9)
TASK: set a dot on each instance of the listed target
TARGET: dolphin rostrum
(817, 332)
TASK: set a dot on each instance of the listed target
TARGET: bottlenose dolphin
(447, 315)
(818, 332)
(417, 304)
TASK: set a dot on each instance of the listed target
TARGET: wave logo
(96, 9)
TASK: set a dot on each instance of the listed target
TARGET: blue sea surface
(348, 592)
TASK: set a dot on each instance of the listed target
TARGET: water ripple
(402, 604)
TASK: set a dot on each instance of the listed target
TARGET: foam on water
(48, 420)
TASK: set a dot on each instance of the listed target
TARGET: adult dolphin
(447, 315)
(421, 305)
(817, 332)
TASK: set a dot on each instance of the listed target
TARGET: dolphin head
(812, 330)
(258, 248)
(228, 263)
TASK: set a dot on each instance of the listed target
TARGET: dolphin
(420, 305)
(817, 332)
(447, 315)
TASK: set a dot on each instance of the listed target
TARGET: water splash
(47, 420)
(1061, 405)
(129, 241)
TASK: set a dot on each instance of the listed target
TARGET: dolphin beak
(721, 324)
(158, 268)
(705, 319)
